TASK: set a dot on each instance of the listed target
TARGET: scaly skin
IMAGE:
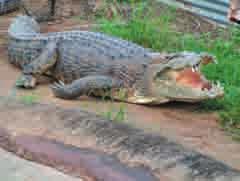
(8, 6)
(89, 62)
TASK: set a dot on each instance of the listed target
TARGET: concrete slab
(13, 168)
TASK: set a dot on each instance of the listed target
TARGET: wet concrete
(180, 122)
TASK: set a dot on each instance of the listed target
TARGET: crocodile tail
(7, 6)
(24, 25)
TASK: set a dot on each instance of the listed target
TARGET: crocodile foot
(60, 90)
(26, 81)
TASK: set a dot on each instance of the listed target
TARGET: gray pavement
(13, 168)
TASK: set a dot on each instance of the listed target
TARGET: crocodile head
(178, 77)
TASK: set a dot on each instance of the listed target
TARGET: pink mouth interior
(192, 79)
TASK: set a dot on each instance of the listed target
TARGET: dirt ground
(179, 122)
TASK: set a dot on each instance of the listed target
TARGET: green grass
(29, 99)
(154, 32)
(116, 113)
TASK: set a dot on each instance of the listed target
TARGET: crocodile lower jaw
(147, 100)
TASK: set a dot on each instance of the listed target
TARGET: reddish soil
(179, 122)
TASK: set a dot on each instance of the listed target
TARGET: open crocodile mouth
(191, 78)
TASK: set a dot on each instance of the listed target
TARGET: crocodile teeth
(216, 88)
(219, 86)
(61, 83)
(215, 60)
(195, 68)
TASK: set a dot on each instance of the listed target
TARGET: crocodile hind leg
(39, 66)
(84, 86)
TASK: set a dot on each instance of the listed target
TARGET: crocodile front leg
(38, 67)
(84, 86)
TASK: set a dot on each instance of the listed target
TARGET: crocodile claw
(61, 83)
(58, 89)
(56, 86)
(26, 81)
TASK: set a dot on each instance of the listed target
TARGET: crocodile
(9, 5)
(93, 63)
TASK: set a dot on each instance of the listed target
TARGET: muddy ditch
(132, 147)
(84, 163)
